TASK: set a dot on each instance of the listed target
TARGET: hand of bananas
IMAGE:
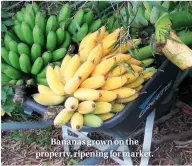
(93, 92)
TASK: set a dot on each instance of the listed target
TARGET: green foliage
(6, 21)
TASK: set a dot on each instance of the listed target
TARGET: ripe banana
(124, 92)
(87, 94)
(57, 71)
(136, 68)
(134, 61)
(54, 82)
(77, 121)
(71, 104)
(117, 71)
(102, 33)
(139, 88)
(48, 99)
(45, 90)
(92, 120)
(102, 108)
(130, 77)
(93, 82)
(96, 54)
(135, 83)
(128, 99)
(64, 65)
(62, 118)
(117, 107)
(25, 63)
(86, 107)
(107, 96)
(106, 116)
(72, 84)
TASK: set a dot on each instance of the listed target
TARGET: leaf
(158, 6)
(8, 22)
(8, 106)
(3, 28)
(4, 14)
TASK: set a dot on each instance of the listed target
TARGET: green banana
(7, 40)
(5, 79)
(42, 81)
(67, 40)
(12, 72)
(42, 73)
(47, 56)
(14, 59)
(35, 7)
(51, 41)
(17, 29)
(64, 13)
(40, 20)
(25, 63)
(12, 82)
(82, 32)
(88, 17)
(147, 6)
(23, 10)
(38, 36)
(147, 62)
(19, 82)
(23, 49)
(95, 25)
(30, 82)
(35, 52)
(29, 9)
(13, 35)
(20, 16)
(3, 66)
(74, 39)
(17, 22)
(51, 24)
(27, 33)
(57, 63)
(5, 55)
(154, 16)
(29, 19)
(13, 46)
(58, 54)
(37, 65)
(60, 33)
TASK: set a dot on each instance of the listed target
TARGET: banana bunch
(92, 91)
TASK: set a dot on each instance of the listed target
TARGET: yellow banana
(86, 107)
(102, 33)
(71, 104)
(136, 83)
(93, 82)
(53, 82)
(114, 83)
(124, 92)
(64, 64)
(48, 99)
(130, 77)
(136, 68)
(72, 85)
(96, 54)
(57, 71)
(72, 67)
(102, 108)
(118, 57)
(92, 120)
(87, 94)
(107, 96)
(106, 116)
(77, 121)
(117, 107)
(44, 90)
(128, 99)
(119, 70)
(139, 87)
(134, 61)
(84, 42)
(63, 117)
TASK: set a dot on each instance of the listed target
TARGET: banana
(124, 92)
(5, 55)
(20, 16)
(23, 49)
(40, 20)
(45, 90)
(64, 13)
(19, 83)
(106, 116)
(136, 68)
(57, 71)
(3, 66)
(35, 7)
(102, 108)
(96, 54)
(5, 79)
(46, 57)
(117, 107)
(72, 84)
(42, 73)
(139, 88)
(91, 94)
(117, 71)
(62, 118)
(60, 33)
(29, 9)
(77, 121)
(35, 52)
(107, 96)
(25, 63)
(102, 34)
(37, 66)
(27, 33)
(93, 82)
(114, 83)
(58, 54)
(154, 15)
(7, 40)
(136, 83)
(42, 81)
(38, 36)
(134, 61)
(130, 77)
(29, 19)
(30, 82)
(148, 73)
(75, 39)
(12, 83)
(147, 62)
(72, 67)
(104, 67)
(13, 46)
(95, 25)
(51, 24)
(71, 104)
(92, 120)
(17, 30)
(87, 45)
(147, 6)
(85, 70)
(12, 72)
(51, 41)
(54, 82)
(64, 64)
(118, 57)
(14, 59)
(67, 40)
(88, 17)
(128, 99)
(82, 32)
(86, 107)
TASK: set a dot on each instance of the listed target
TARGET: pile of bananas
(92, 90)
